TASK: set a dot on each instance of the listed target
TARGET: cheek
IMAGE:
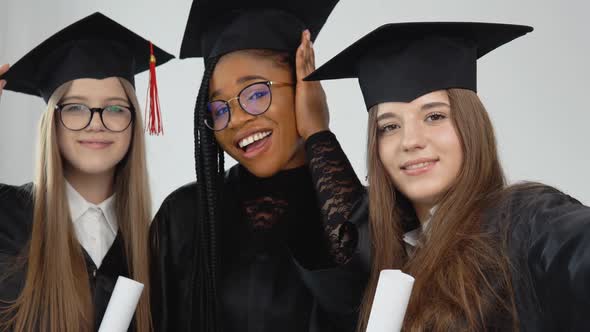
(283, 115)
(387, 147)
(123, 144)
(450, 147)
(224, 138)
(65, 142)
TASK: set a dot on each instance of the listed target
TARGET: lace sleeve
(338, 191)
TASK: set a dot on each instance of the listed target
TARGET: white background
(536, 88)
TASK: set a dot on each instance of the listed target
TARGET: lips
(247, 133)
(256, 137)
(253, 141)
(95, 143)
(418, 166)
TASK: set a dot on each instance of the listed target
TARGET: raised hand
(311, 107)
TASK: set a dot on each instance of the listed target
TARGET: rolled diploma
(391, 301)
(121, 306)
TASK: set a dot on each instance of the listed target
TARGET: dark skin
(296, 112)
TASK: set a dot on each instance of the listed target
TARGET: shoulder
(182, 195)
(16, 216)
(187, 195)
(21, 194)
(530, 210)
(529, 194)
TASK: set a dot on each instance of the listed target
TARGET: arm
(557, 255)
(171, 263)
(337, 285)
(340, 194)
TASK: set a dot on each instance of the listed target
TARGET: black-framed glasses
(254, 99)
(77, 117)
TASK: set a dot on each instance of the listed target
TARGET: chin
(93, 167)
(262, 171)
(423, 193)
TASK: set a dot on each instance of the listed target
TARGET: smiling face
(419, 146)
(267, 143)
(93, 150)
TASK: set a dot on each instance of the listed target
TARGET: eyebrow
(386, 116)
(429, 106)
(424, 107)
(119, 99)
(240, 80)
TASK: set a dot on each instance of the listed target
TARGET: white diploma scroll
(390, 302)
(121, 306)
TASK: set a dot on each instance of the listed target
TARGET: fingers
(300, 59)
(305, 58)
(3, 70)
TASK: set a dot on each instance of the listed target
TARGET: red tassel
(154, 120)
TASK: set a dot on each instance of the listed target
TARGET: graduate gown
(546, 236)
(16, 217)
(289, 257)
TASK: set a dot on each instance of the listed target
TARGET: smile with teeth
(253, 138)
(417, 166)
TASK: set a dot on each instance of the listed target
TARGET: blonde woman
(84, 221)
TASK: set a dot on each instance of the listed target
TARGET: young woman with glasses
(272, 243)
(84, 221)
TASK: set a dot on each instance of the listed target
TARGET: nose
(95, 123)
(413, 137)
(238, 115)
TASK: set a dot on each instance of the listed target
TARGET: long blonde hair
(56, 294)
(462, 274)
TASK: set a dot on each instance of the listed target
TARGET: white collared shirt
(411, 238)
(95, 225)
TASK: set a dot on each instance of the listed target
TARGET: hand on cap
(3, 70)
(311, 107)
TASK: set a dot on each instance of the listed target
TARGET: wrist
(312, 131)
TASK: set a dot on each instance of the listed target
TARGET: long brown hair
(56, 294)
(461, 278)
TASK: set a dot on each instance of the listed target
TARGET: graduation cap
(93, 47)
(218, 27)
(400, 62)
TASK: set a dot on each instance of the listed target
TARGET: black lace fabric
(310, 207)
(338, 190)
(263, 213)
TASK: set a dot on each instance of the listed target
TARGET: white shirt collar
(411, 237)
(78, 206)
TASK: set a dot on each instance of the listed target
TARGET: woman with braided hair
(277, 242)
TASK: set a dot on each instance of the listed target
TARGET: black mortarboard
(93, 47)
(402, 61)
(217, 27)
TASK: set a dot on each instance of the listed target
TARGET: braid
(209, 168)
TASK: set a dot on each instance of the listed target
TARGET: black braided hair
(209, 167)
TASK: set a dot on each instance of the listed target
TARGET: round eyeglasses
(254, 99)
(77, 117)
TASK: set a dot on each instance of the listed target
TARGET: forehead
(437, 97)
(96, 88)
(235, 65)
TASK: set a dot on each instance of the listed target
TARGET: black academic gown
(16, 216)
(548, 243)
(270, 278)
(546, 236)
